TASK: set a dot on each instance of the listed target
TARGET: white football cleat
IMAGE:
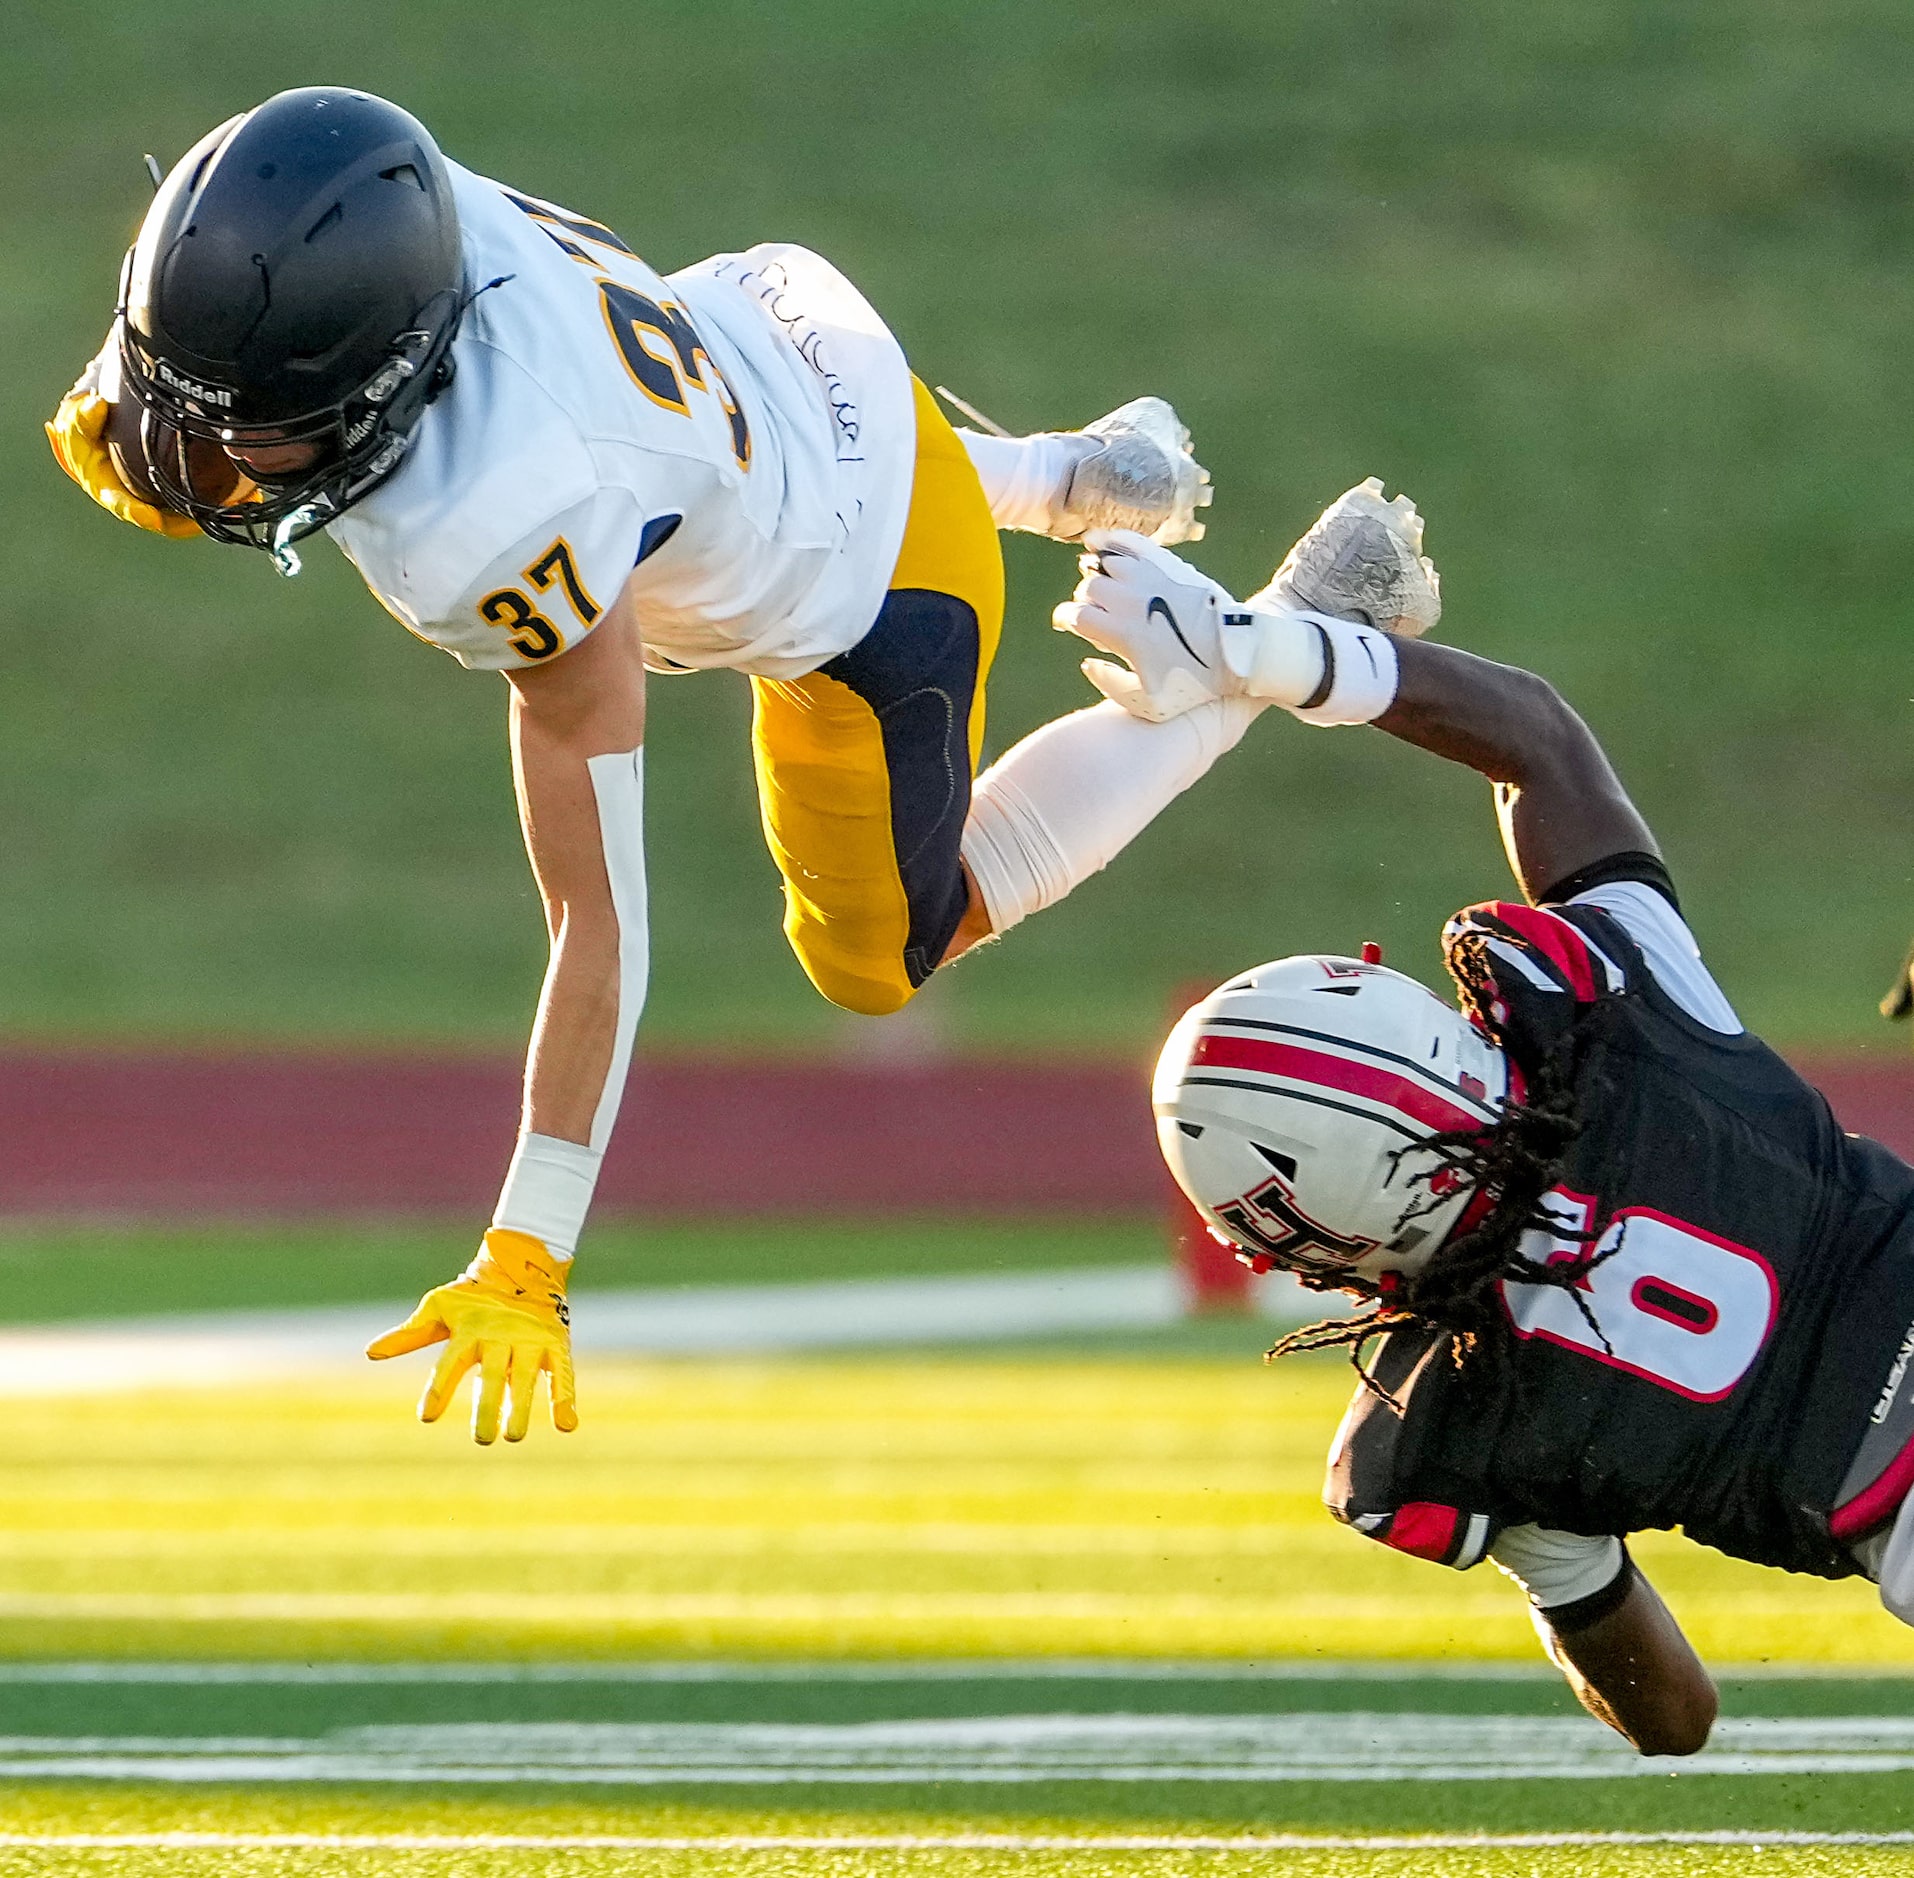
(1361, 560)
(1140, 477)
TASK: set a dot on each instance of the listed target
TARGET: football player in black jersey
(1622, 1268)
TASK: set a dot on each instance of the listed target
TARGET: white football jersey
(741, 434)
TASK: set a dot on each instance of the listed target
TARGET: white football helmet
(1289, 1106)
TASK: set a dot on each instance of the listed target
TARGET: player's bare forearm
(588, 702)
(1634, 1670)
(1559, 800)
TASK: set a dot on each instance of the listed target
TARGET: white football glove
(1149, 607)
(1187, 642)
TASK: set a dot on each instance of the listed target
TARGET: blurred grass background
(1618, 292)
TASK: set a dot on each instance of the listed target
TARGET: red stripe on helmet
(1225, 1050)
(1557, 941)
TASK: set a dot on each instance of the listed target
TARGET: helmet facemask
(359, 439)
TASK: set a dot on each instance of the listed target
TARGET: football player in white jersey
(554, 463)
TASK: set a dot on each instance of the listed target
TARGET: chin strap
(300, 522)
(312, 516)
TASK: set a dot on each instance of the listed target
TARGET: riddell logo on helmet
(220, 397)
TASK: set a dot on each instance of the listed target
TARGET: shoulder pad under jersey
(1531, 968)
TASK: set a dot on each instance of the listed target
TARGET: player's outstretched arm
(577, 725)
(1633, 1669)
(1560, 803)
(1185, 643)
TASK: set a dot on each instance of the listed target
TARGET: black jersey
(1719, 1367)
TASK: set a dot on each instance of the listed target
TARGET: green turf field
(633, 1756)
(778, 1862)
(1063, 1853)
(1076, 1614)
(1619, 292)
(1044, 1504)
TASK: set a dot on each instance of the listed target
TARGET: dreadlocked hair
(1512, 1165)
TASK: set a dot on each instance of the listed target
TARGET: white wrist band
(1359, 680)
(106, 367)
(1326, 670)
(548, 1190)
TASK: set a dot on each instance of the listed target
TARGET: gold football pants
(864, 766)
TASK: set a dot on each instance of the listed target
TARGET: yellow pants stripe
(825, 772)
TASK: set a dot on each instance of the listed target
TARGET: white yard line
(223, 1347)
(1337, 1747)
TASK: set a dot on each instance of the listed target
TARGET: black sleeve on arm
(1566, 1619)
(1633, 864)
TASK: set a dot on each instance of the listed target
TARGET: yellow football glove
(504, 1316)
(78, 437)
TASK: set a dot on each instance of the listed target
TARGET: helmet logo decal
(219, 396)
(1269, 1224)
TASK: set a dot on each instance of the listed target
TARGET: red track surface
(111, 1133)
(185, 1136)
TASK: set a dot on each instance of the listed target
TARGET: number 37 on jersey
(526, 620)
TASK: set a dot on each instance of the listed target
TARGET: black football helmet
(298, 279)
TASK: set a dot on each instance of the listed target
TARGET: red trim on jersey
(1226, 1050)
(1874, 1506)
(1423, 1530)
(1557, 941)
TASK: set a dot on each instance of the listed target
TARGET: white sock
(1025, 478)
(1063, 803)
